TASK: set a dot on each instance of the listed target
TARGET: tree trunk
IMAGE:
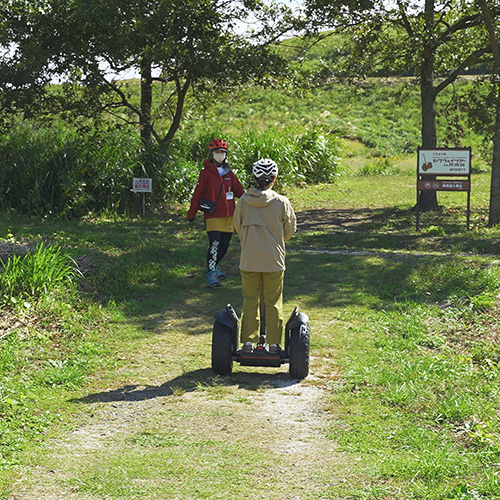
(428, 199)
(494, 212)
(146, 102)
(181, 91)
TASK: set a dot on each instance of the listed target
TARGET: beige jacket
(264, 220)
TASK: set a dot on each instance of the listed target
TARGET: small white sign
(142, 185)
(444, 161)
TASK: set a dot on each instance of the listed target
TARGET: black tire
(299, 351)
(222, 349)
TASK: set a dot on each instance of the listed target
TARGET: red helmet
(217, 144)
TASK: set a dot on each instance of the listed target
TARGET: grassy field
(106, 389)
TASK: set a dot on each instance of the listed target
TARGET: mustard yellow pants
(271, 285)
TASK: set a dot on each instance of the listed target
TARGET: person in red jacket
(219, 184)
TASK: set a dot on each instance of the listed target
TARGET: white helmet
(265, 168)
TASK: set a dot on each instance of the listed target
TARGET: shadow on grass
(157, 271)
(380, 281)
(392, 228)
(155, 268)
(202, 379)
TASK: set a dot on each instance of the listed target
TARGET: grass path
(165, 434)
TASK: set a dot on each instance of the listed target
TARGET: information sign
(441, 169)
(142, 185)
(444, 161)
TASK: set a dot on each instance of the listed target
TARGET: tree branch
(126, 103)
(463, 24)
(468, 61)
(181, 97)
(406, 21)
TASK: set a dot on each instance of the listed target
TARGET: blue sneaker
(220, 275)
(212, 280)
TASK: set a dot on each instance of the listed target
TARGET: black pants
(218, 243)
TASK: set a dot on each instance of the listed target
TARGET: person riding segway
(264, 220)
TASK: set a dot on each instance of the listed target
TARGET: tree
(176, 48)
(436, 41)
(494, 209)
(443, 34)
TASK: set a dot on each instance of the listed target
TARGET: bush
(301, 156)
(58, 171)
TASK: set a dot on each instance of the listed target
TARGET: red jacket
(209, 183)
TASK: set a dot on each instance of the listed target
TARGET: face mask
(219, 156)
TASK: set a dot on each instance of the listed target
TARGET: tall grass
(58, 171)
(39, 272)
(303, 156)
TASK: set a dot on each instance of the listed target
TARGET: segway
(225, 344)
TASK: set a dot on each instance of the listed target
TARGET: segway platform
(295, 351)
(260, 356)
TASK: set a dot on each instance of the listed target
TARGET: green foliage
(59, 171)
(37, 273)
(173, 173)
(193, 45)
(383, 40)
(63, 373)
(62, 170)
(23, 423)
(37, 366)
(302, 156)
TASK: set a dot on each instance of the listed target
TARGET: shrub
(54, 171)
(301, 156)
(58, 171)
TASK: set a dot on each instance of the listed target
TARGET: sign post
(141, 185)
(442, 169)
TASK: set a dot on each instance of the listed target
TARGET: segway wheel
(299, 351)
(222, 349)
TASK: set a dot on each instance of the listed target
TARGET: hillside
(382, 114)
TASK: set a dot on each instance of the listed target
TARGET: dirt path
(254, 410)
